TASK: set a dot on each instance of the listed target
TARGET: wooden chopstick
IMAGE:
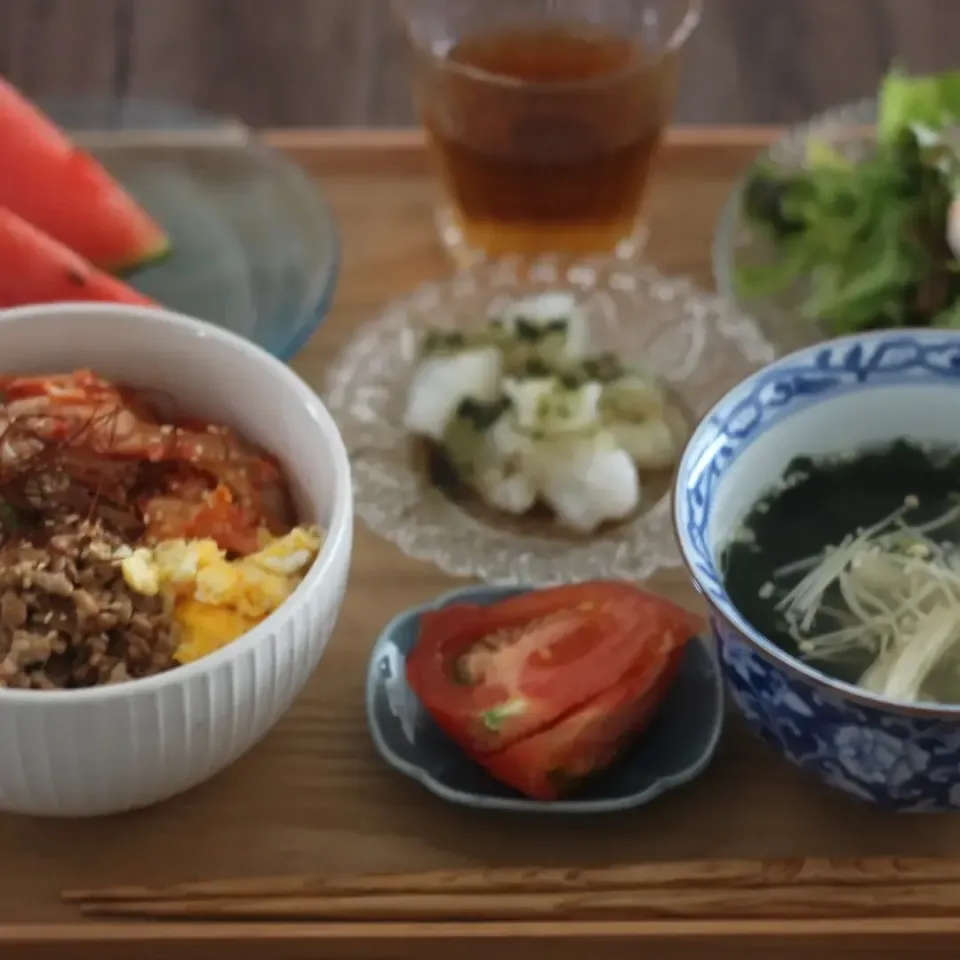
(697, 903)
(721, 874)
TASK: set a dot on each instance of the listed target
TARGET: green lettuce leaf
(905, 101)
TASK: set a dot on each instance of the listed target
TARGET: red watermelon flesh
(35, 268)
(57, 187)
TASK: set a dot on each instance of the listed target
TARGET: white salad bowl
(835, 398)
(115, 748)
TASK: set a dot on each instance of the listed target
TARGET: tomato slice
(491, 676)
(548, 764)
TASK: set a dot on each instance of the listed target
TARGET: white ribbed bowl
(105, 750)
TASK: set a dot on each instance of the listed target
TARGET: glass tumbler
(545, 117)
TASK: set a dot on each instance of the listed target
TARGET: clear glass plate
(255, 247)
(699, 344)
(847, 129)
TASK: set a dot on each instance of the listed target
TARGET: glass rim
(677, 40)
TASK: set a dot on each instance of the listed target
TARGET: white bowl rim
(721, 599)
(341, 512)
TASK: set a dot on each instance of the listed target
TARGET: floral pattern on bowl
(852, 392)
(675, 749)
(908, 763)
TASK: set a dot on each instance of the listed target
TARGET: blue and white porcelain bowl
(830, 398)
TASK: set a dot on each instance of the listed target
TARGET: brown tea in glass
(545, 117)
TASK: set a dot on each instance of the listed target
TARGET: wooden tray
(314, 796)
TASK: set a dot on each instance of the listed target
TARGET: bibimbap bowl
(829, 399)
(106, 749)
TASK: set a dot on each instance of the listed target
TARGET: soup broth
(838, 507)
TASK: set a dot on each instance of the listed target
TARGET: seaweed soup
(813, 508)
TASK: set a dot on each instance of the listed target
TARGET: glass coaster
(455, 243)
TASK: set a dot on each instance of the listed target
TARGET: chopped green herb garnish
(602, 368)
(536, 367)
(495, 718)
(437, 340)
(482, 416)
(525, 329)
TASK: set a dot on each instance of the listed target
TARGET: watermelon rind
(162, 251)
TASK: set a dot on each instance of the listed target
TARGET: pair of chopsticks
(683, 890)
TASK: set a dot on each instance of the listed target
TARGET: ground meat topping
(68, 618)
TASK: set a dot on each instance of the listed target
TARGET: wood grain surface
(313, 797)
(785, 904)
(691, 890)
(341, 62)
(664, 875)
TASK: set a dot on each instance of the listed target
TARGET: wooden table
(314, 797)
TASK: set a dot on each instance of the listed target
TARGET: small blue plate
(678, 745)
(255, 248)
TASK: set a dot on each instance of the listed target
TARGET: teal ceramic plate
(675, 749)
(255, 247)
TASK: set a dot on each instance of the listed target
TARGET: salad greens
(932, 102)
(872, 237)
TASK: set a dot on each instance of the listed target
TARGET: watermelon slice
(35, 268)
(57, 187)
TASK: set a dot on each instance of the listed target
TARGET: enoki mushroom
(891, 590)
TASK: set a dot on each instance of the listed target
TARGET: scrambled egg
(217, 600)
